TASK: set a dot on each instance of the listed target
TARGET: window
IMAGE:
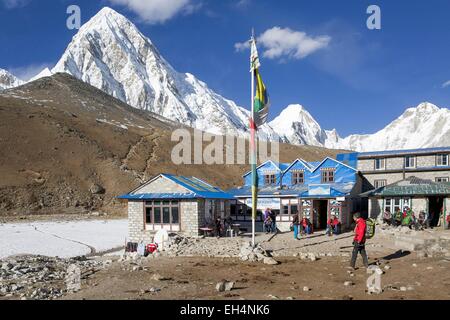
(410, 162)
(396, 204)
(175, 215)
(442, 160)
(298, 177)
(442, 179)
(148, 215)
(294, 209)
(285, 209)
(166, 212)
(270, 180)
(166, 215)
(157, 215)
(380, 164)
(388, 205)
(380, 183)
(327, 175)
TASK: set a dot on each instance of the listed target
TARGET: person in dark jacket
(218, 227)
(273, 216)
(359, 241)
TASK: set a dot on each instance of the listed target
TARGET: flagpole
(253, 153)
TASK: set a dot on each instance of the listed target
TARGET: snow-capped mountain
(44, 73)
(296, 125)
(7, 80)
(422, 127)
(110, 53)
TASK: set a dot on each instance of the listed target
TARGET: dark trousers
(359, 248)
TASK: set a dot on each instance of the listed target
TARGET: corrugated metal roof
(403, 152)
(411, 187)
(197, 189)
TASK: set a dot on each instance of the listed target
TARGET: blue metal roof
(278, 165)
(350, 159)
(314, 164)
(196, 189)
(403, 152)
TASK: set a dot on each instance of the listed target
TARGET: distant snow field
(61, 239)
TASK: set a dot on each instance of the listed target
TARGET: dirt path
(196, 278)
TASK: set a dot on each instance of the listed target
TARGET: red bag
(151, 248)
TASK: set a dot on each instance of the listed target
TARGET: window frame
(383, 161)
(380, 180)
(397, 202)
(298, 177)
(414, 158)
(161, 205)
(328, 175)
(270, 179)
(442, 156)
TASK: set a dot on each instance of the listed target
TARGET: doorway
(435, 208)
(321, 214)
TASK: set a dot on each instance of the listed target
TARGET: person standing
(273, 216)
(329, 230)
(296, 224)
(266, 220)
(359, 241)
(218, 227)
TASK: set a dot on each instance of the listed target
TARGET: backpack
(370, 229)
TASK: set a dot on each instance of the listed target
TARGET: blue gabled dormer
(297, 173)
(332, 171)
(269, 174)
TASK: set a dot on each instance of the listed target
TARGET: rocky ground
(315, 267)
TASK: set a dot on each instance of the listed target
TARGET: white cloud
(27, 72)
(158, 11)
(446, 84)
(11, 4)
(243, 3)
(280, 43)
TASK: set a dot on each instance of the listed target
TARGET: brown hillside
(55, 145)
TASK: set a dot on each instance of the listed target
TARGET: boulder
(270, 261)
(224, 285)
(96, 189)
(348, 283)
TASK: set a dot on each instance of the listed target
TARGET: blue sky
(348, 77)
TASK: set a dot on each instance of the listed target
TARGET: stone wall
(190, 222)
(389, 177)
(426, 161)
(376, 208)
(419, 204)
(136, 223)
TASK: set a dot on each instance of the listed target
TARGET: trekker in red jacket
(359, 241)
